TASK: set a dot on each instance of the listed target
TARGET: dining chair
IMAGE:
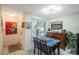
(37, 42)
(44, 47)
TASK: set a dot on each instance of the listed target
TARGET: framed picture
(11, 28)
(56, 25)
(1, 22)
(28, 25)
(23, 24)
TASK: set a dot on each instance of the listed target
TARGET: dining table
(52, 44)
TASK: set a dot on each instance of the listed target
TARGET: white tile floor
(30, 52)
(62, 52)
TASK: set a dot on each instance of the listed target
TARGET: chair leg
(38, 51)
(41, 52)
(34, 49)
(47, 53)
(54, 52)
(50, 51)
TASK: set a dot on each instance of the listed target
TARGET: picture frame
(10, 28)
(56, 25)
(23, 24)
(28, 25)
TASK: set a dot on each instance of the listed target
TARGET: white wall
(70, 22)
(28, 32)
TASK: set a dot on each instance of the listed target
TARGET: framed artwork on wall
(28, 25)
(11, 28)
(56, 25)
(23, 24)
(1, 22)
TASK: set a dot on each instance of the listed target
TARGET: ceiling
(36, 9)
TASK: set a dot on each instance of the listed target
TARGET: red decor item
(11, 28)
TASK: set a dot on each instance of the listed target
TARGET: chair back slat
(40, 44)
(37, 42)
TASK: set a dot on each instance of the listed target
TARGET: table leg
(58, 48)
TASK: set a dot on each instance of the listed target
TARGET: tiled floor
(62, 52)
(30, 52)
